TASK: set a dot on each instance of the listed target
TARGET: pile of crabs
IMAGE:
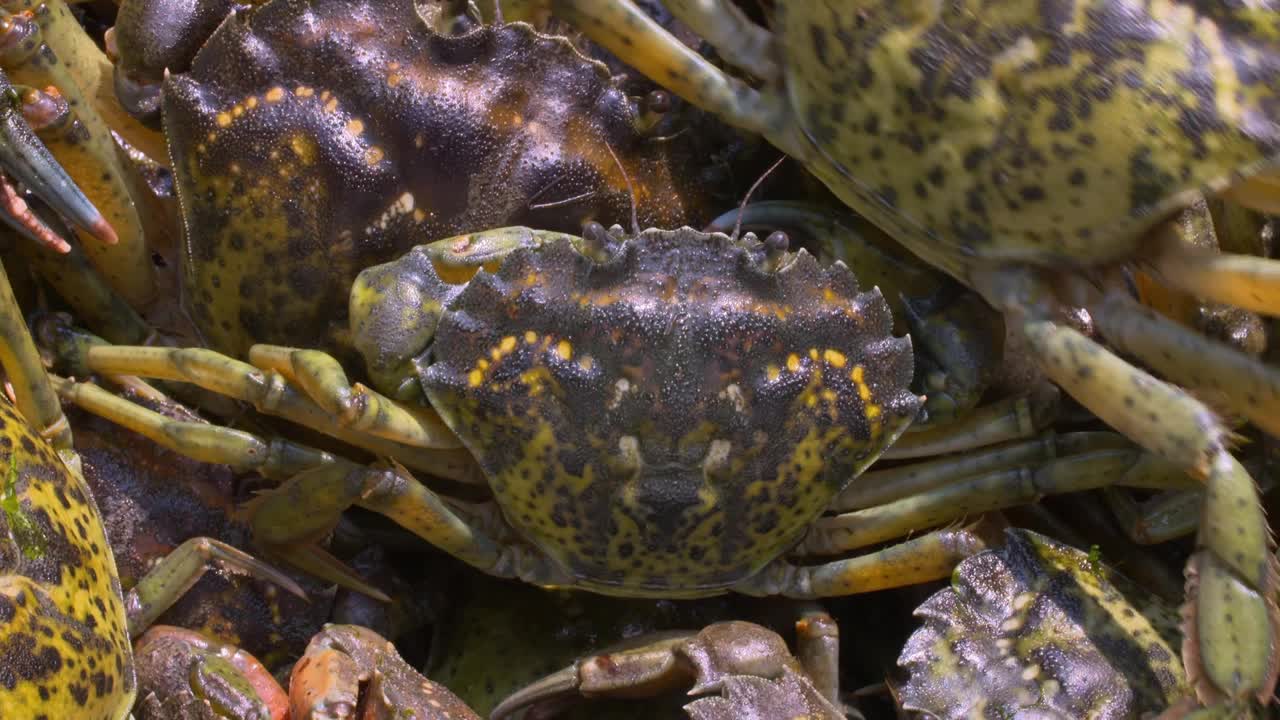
(598, 358)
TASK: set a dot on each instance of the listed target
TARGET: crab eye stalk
(775, 248)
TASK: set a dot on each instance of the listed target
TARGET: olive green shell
(669, 414)
(64, 641)
(1042, 629)
(1049, 132)
(300, 161)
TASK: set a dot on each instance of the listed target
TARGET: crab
(298, 163)
(347, 671)
(65, 623)
(1031, 150)
(1041, 627)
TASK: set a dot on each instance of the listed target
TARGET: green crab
(1032, 150)
(1040, 627)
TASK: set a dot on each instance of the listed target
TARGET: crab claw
(24, 159)
(746, 668)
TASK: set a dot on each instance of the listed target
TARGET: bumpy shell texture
(673, 417)
(313, 139)
(1037, 627)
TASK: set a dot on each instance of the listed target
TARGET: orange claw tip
(21, 215)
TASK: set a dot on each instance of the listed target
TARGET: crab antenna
(635, 221)
(737, 226)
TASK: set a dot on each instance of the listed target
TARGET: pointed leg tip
(102, 230)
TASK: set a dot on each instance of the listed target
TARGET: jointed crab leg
(268, 392)
(970, 496)
(1234, 562)
(1013, 418)
(35, 397)
(877, 487)
(354, 406)
(929, 557)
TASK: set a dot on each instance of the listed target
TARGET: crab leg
(1232, 576)
(878, 487)
(971, 496)
(1013, 418)
(929, 557)
(356, 407)
(1162, 518)
(267, 391)
(35, 396)
(627, 31)
(169, 580)
(1190, 359)
(1244, 281)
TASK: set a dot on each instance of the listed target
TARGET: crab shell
(314, 139)
(64, 643)
(668, 416)
(1052, 133)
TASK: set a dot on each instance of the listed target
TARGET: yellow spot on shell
(237, 110)
(772, 372)
(303, 147)
(873, 412)
(857, 374)
(564, 349)
(223, 119)
(475, 377)
(251, 102)
(864, 392)
(330, 105)
(813, 353)
(304, 91)
(355, 127)
(394, 79)
(507, 344)
(373, 155)
(530, 337)
(793, 362)
(275, 94)
(586, 362)
(834, 358)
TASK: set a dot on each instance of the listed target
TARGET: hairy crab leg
(1162, 518)
(34, 394)
(1244, 281)
(1234, 557)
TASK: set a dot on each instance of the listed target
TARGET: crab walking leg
(1190, 359)
(973, 496)
(929, 557)
(1162, 518)
(879, 487)
(353, 406)
(627, 31)
(1012, 418)
(36, 398)
(1234, 549)
(269, 393)
(1261, 193)
(308, 505)
(1245, 281)
(739, 41)
(818, 650)
(174, 575)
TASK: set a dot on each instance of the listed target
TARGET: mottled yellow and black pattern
(64, 644)
(668, 413)
(1049, 132)
(313, 139)
(1041, 628)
